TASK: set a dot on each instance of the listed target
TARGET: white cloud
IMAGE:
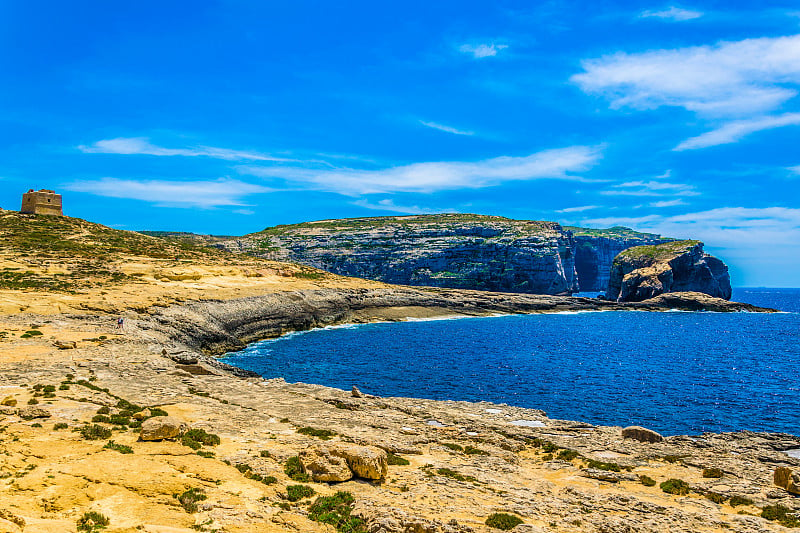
(482, 50)
(795, 170)
(143, 146)
(673, 13)
(437, 176)
(389, 205)
(651, 188)
(204, 194)
(448, 129)
(736, 130)
(728, 79)
(578, 209)
(668, 203)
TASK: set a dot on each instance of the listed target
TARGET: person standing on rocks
(121, 323)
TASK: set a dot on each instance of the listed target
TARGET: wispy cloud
(651, 188)
(204, 194)
(143, 146)
(736, 130)
(723, 227)
(727, 79)
(389, 205)
(794, 170)
(561, 164)
(448, 129)
(673, 13)
(668, 203)
(578, 209)
(481, 51)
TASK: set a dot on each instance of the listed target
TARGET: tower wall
(42, 202)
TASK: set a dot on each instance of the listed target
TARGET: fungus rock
(643, 272)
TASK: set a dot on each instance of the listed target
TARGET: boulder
(30, 412)
(607, 475)
(355, 393)
(644, 272)
(9, 401)
(323, 465)
(340, 462)
(162, 427)
(641, 434)
(787, 479)
(65, 345)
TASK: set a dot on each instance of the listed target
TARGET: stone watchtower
(41, 202)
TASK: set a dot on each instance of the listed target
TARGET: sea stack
(643, 272)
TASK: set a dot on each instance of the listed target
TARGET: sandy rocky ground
(466, 461)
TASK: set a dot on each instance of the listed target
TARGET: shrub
(503, 521)
(715, 497)
(324, 434)
(49, 388)
(602, 465)
(296, 493)
(396, 460)
(712, 472)
(193, 444)
(121, 448)
(567, 455)
(95, 432)
(201, 436)
(472, 450)
(156, 411)
(189, 499)
(447, 472)
(335, 510)
(207, 455)
(740, 500)
(104, 410)
(452, 446)
(63, 386)
(101, 418)
(60, 425)
(647, 481)
(294, 470)
(92, 521)
(33, 401)
(675, 486)
(778, 513)
(264, 453)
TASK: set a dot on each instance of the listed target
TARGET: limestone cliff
(451, 250)
(644, 272)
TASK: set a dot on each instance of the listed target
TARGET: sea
(675, 372)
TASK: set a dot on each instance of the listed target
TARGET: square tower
(42, 202)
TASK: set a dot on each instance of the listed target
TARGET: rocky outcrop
(641, 434)
(644, 272)
(787, 479)
(161, 427)
(341, 462)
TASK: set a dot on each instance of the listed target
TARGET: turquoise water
(675, 372)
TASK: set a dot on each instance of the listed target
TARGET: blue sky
(229, 116)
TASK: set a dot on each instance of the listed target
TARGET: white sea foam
(794, 452)
(494, 411)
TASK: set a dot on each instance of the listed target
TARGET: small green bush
(452, 446)
(121, 448)
(156, 411)
(207, 455)
(472, 450)
(128, 406)
(740, 500)
(335, 510)
(602, 465)
(296, 493)
(95, 432)
(712, 473)
(396, 460)
(567, 455)
(294, 470)
(60, 425)
(188, 500)
(49, 388)
(201, 436)
(119, 420)
(92, 521)
(264, 453)
(101, 418)
(675, 486)
(324, 434)
(647, 481)
(715, 497)
(104, 410)
(783, 515)
(447, 472)
(33, 401)
(503, 521)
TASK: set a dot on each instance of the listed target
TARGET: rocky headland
(145, 428)
(644, 272)
(461, 251)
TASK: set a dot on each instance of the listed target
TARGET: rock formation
(643, 272)
(459, 251)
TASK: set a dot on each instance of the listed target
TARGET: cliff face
(454, 251)
(643, 272)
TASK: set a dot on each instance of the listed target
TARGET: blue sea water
(675, 372)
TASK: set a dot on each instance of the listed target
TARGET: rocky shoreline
(461, 462)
